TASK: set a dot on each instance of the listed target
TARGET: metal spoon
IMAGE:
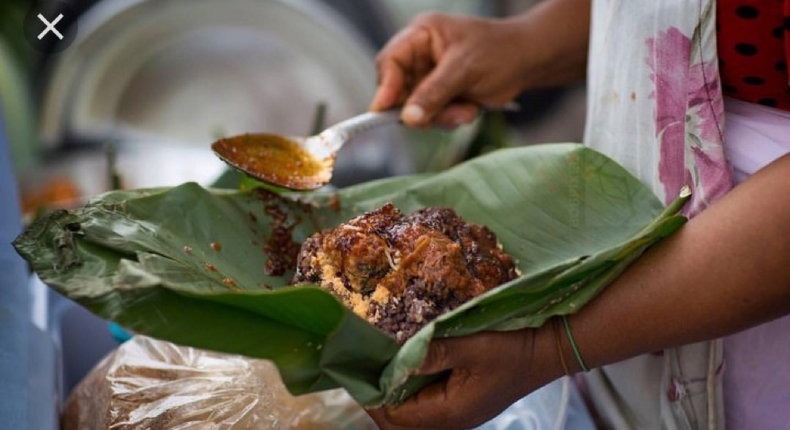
(298, 163)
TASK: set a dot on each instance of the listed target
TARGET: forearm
(724, 271)
(728, 269)
(556, 35)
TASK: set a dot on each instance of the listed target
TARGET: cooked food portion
(402, 271)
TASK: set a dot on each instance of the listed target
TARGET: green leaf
(572, 218)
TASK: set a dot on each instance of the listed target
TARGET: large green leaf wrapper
(571, 217)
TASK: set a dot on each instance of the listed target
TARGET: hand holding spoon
(297, 163)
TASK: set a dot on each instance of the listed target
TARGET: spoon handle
(350, 127)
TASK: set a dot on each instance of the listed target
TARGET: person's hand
(489, 372)
(446, 67)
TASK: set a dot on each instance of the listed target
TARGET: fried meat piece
(401, 271)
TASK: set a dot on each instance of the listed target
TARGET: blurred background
(146, 85)
(161, 79)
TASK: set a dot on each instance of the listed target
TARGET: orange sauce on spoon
(274, 159)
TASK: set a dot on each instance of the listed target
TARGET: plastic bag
(556, 406)
(156, 385)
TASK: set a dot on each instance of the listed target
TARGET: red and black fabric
(754, 48)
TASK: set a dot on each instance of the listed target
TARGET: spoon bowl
(297, 163)
(275, 159)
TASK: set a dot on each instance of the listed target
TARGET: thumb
(443, 354)
(442, 85)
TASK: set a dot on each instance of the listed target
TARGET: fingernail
(412, 113)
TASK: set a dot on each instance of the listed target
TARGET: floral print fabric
(688, 116)
(655, 106)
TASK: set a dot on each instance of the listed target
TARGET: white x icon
(50, 26)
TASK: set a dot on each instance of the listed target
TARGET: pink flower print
(705, 99)
(713, 173)
(669, 58)
(688, 115)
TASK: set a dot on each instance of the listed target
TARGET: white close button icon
(59, 28)
(50, 26)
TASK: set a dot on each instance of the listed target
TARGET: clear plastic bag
(556, 406)
(156, 385)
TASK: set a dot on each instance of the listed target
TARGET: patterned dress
(655, 106)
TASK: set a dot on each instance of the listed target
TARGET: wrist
(528, 58)
(552, 43)
(542, 362)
